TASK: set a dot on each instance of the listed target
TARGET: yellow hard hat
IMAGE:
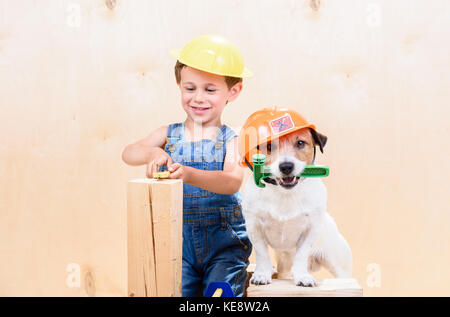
(213, 54)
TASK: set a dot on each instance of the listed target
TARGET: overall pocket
(243, 241)
(236, 228)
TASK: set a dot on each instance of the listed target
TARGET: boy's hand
(178, 171)
(161, 158)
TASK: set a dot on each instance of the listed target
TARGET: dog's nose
(286, 167)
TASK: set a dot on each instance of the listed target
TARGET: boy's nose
(198, 96)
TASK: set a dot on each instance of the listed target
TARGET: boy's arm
(226, 182)
(147, 149)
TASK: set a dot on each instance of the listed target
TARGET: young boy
(203, 152)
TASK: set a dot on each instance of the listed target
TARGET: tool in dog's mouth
(262, 172)
(288, 182)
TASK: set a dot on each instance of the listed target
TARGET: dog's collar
(272, 181)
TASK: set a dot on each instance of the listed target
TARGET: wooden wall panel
(80, 79)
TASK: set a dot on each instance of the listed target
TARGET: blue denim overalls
(215, 243)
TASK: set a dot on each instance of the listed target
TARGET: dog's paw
(305, 280)
(261, 278)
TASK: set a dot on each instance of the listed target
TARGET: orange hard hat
(266, 125)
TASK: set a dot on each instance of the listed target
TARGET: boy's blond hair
(230, 81)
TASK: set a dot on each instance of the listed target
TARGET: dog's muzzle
(288, 180)
(286, 168)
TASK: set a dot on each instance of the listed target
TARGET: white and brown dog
(290, 214)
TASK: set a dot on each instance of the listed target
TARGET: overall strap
(175, 132)
(225, 135)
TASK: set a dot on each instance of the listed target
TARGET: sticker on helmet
(281, 124)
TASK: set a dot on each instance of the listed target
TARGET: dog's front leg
(299, 269)
(264, 270)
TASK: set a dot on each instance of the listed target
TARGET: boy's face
(204, 95)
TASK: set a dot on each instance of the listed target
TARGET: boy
(209, 72)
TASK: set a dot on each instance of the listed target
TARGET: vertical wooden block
(154, 237)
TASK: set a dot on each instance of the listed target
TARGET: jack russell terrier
(290, 213)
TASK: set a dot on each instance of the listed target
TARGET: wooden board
(154, 237)
(167, 208)
(141, 259)
(326, 288)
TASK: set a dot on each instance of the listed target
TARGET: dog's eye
(301, 144)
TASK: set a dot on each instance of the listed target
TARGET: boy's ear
(235, 91)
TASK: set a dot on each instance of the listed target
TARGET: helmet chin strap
(270, 180)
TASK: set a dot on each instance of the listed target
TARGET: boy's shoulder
(162, 130)
(156, 138)
(165, 129)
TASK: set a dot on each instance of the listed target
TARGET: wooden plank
(167, 206)
(177, 236)
(155, 237)
(326, 288)
(141, 260)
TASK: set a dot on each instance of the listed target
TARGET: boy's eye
(300, 144)
(210, 90)
(189, 88)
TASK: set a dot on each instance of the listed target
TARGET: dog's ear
(319, 139)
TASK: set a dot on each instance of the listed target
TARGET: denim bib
(205, 155)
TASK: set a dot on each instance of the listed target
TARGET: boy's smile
(205, 95)
(200, 110)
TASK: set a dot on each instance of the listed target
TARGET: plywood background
(80, 79)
